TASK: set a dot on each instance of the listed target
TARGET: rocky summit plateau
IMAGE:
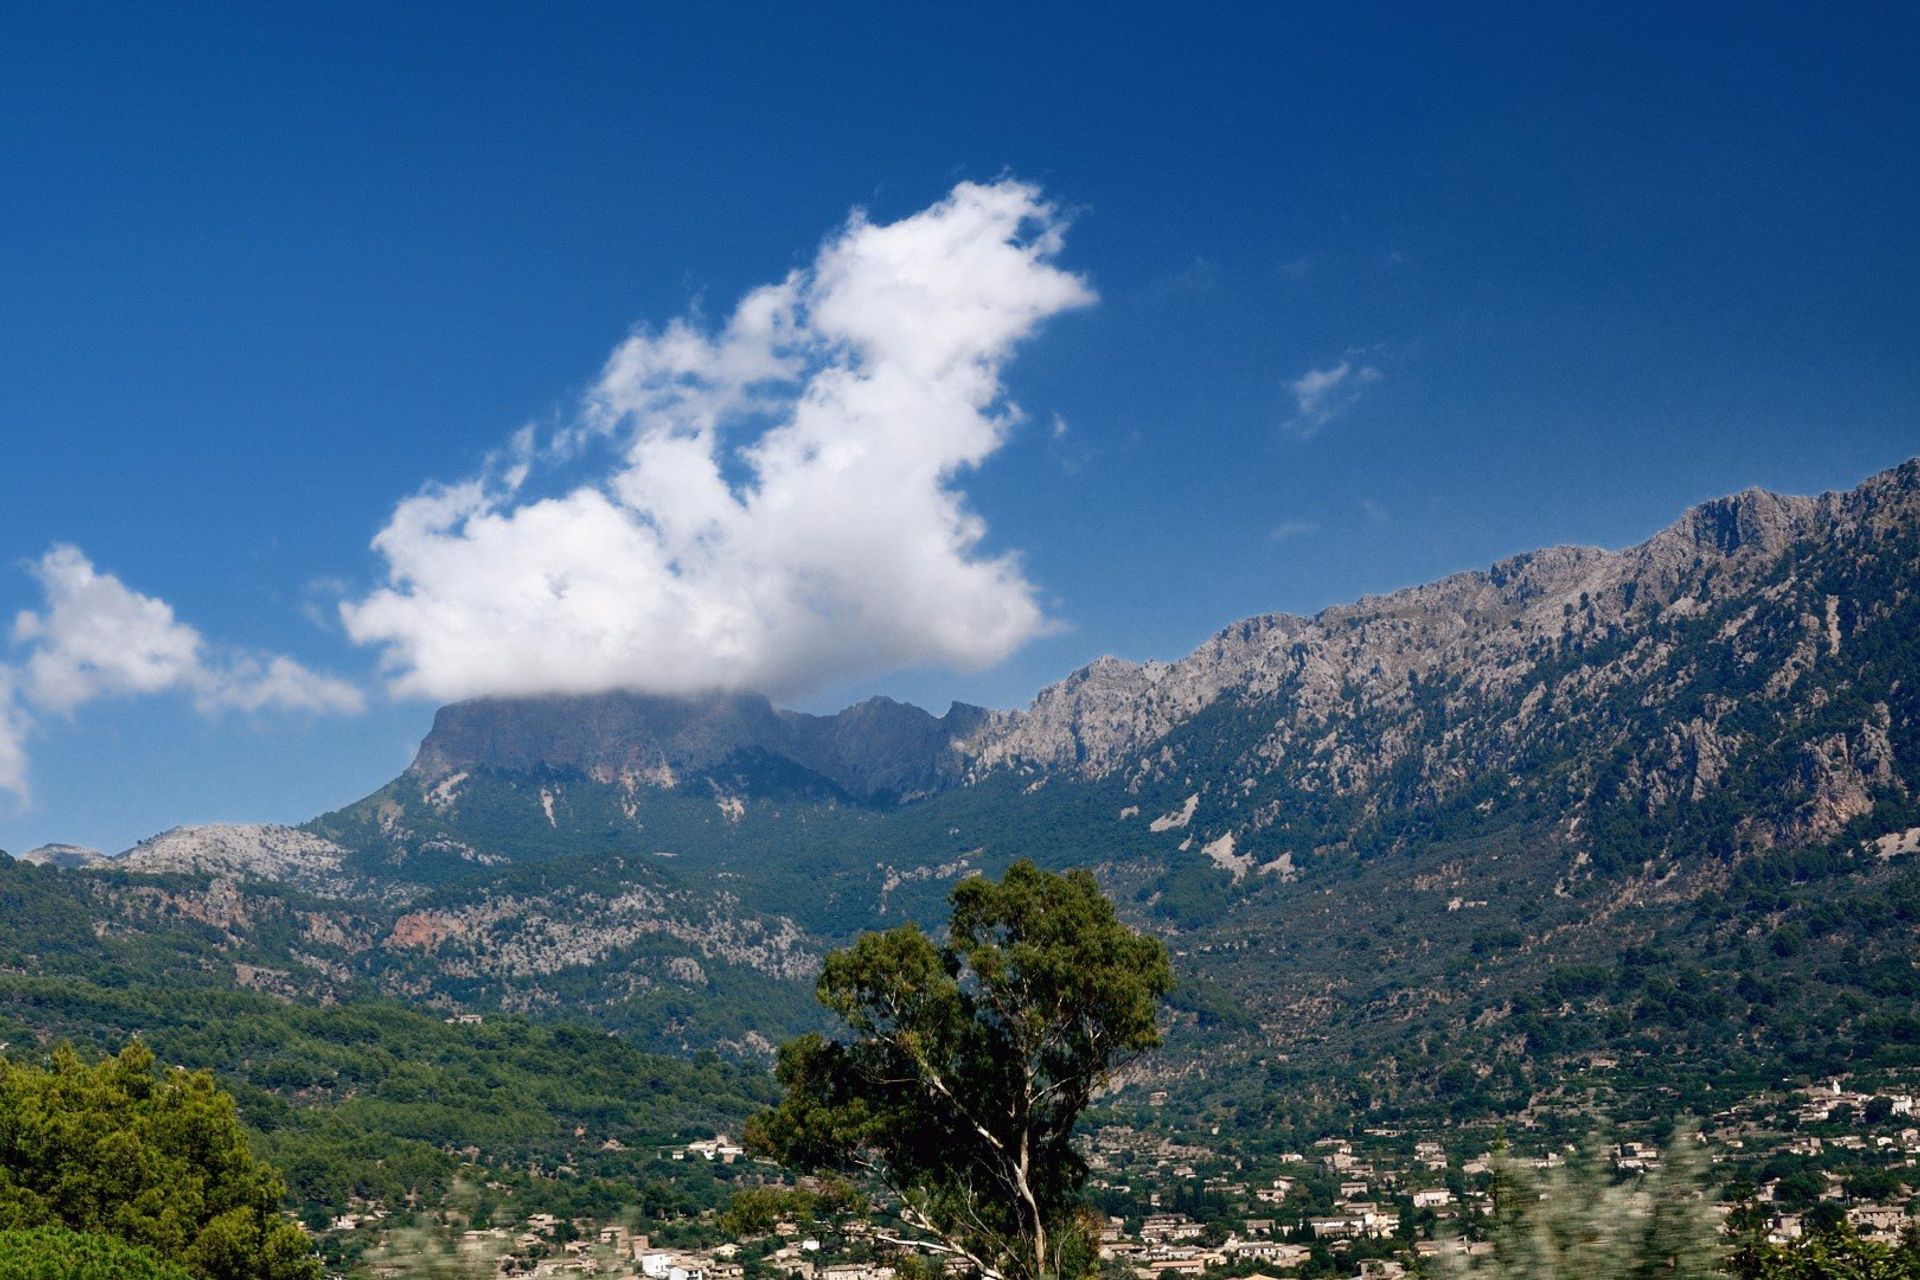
(66, 857)
(879, 750)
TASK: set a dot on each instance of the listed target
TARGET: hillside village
(1380, 1203)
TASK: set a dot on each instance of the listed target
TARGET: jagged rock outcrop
(1485, 625)
(525, 938)
(240, 851)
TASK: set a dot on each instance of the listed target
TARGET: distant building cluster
(1385, 1200)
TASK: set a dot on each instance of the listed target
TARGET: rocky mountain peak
(1753, 521)
(63, 857)
(876, 749)
(610, 735)
(239, 850)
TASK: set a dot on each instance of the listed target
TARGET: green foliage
(1573, 1223)
(375, 1100)
(1837, 1255)
(1211, 1004)
(157, 1159)
(57, 1253)
(969, 1062)
(754, 1211)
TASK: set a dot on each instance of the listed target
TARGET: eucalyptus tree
(965, 1063)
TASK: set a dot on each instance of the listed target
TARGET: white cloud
(97, 638)
(94, 637)
(13, 738)
(777, 502)
(1321, 395)
(1287, 529)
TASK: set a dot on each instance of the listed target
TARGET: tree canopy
(1837, 1255)
(157, 1159)
(56, 1253)
(967, 1062)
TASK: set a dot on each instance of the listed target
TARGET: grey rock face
(63, 857)
(1486, 627)
(878, 748)
(239, 851)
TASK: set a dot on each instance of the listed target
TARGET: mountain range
(1396, 701)
(1450, 845)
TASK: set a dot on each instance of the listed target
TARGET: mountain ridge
(874, 749)
(1100, 717)
(1329, 705)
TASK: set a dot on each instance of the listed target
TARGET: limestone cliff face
(1485, 626)
(876, 749)
(1535, 656)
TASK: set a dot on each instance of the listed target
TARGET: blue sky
(269, 271)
